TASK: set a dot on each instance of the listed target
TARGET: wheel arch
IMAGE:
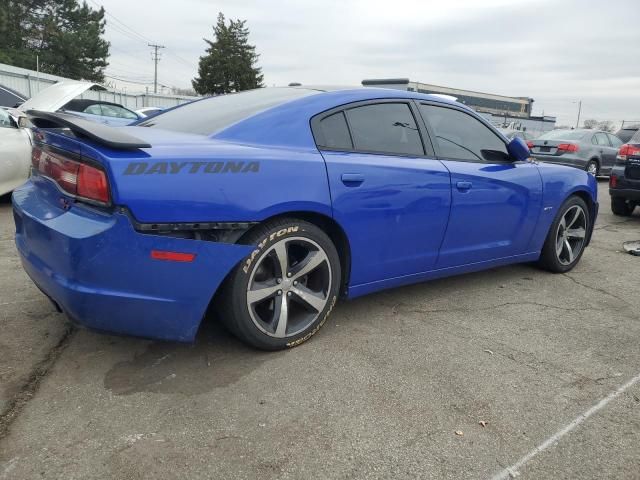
(332, 228)
(593, 209)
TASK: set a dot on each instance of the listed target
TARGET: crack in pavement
(596, 289)
(30, 387)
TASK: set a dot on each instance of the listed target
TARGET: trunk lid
(56, 96)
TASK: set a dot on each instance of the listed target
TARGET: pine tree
(64, 34)
(230, 62)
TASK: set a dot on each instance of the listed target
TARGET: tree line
(66, 38)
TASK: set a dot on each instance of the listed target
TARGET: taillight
(530, 144)
(568, 147)
(78, 179)
(613, 181)
(627, 151)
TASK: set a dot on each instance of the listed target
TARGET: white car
(15, 150)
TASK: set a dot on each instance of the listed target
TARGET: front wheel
(283, 292)
(567, 237)
(593, 168)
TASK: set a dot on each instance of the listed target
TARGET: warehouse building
(502, 111)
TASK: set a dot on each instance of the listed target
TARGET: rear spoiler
(97, 132)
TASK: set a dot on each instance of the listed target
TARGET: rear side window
(335, 132)
(459, 136)
(385, 128)
(615, 141)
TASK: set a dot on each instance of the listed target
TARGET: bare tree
(607, 126)
(590, 123)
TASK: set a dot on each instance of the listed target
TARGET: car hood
(56, 96)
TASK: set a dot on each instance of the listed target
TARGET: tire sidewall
(550, 246)
(263, 240)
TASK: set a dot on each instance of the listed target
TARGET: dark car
(624, 182)
(591, 150)
(10, 98)
(625, 133)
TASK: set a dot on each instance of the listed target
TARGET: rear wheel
(621, 206)
(593, 167)
(567, 236)
(283, 292)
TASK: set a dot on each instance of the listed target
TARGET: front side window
(459, 136)
(385, 128)
(615, 141)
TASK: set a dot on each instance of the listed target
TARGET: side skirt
(366, 288)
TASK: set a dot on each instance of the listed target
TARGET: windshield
(213, 114)
(563, 135)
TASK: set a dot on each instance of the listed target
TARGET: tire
(621, 206)
(593, 167)
(270, 309)
(567, 236)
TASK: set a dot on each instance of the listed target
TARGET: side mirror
(23, 122)
(518, 149)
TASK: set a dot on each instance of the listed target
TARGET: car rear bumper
(99, 270)
(628, 193)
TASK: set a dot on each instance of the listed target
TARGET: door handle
(352, 179)
(464, 186)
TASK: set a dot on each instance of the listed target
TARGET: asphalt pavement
(504, 373)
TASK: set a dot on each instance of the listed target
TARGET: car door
(606, 151)
(391, 196)
(495, 202)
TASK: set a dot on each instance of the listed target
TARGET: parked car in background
(526, 136)
(10, 98)
(269, 204)
(149, 111)
(62, 97)
(625, 133)
(591, 150)
(15, 150)
(624, 182)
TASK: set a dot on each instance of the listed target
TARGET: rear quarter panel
(217, 182)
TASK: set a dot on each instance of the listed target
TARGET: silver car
(591, 150)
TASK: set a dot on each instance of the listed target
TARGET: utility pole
(579, 110)
(156, 59)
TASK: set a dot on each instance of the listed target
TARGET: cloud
(556, 52)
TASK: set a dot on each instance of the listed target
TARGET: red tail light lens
(613, 181)
(530, 144)
(172, 256)
(77, 179)
(568, 147)
(627, 151)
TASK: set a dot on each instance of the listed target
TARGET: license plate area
(545, 149)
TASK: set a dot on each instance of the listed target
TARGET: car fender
(559, 183)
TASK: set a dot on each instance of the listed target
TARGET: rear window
(636, 137)
(563, 135)
(211, 115)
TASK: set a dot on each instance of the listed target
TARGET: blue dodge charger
(264, 207)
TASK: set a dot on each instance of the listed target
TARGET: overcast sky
(555, 51)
